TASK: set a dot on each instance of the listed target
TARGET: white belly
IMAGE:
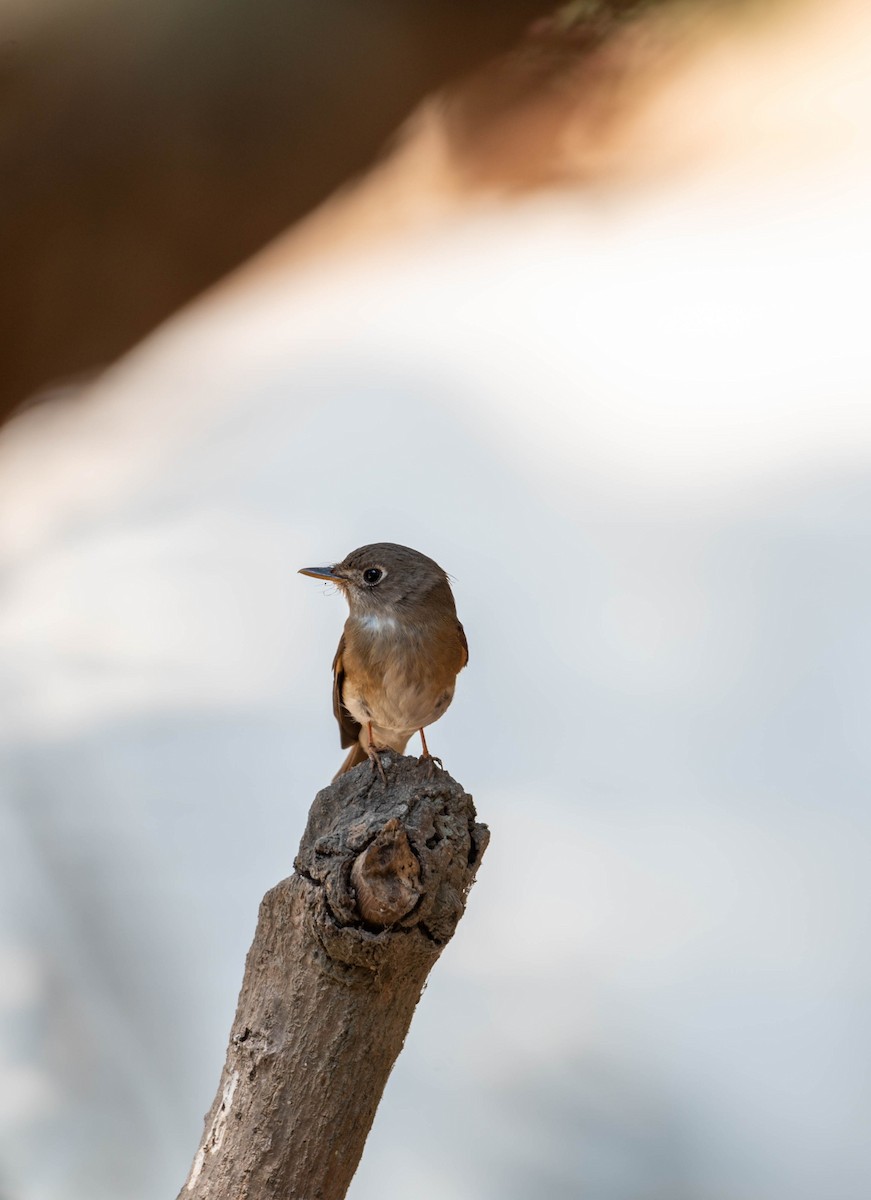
(395, 710)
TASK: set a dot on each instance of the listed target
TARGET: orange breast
(400, 676)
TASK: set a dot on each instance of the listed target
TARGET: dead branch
(339, 959)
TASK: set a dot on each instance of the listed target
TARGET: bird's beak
(321, 573)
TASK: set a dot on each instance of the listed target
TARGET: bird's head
(384, 577)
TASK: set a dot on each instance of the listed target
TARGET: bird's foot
(375, 757)
(430, 760)
(377, 765)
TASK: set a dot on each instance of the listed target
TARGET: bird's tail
(356, 755)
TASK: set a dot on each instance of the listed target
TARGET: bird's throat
(376, 623)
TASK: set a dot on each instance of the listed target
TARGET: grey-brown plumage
(401, 650)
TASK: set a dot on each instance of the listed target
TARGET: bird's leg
(428, 758)
(374, 757)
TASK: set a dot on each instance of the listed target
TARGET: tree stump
(338, 962)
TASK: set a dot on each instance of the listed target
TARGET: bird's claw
(377, 765)
(431, 761)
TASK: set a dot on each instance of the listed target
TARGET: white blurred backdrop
(637, 435)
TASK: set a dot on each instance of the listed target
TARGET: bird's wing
(349, 729)
(464, 643)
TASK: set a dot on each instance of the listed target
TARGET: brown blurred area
(149, 146)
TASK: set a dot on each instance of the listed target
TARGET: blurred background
(148, 148)
(592, 334)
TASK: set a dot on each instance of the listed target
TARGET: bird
(400, 652)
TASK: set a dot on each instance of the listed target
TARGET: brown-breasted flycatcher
(400, 652)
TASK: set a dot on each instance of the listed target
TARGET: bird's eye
(372, 575)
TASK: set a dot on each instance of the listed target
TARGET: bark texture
(341, 953)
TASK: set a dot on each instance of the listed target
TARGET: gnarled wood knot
(386, 877)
